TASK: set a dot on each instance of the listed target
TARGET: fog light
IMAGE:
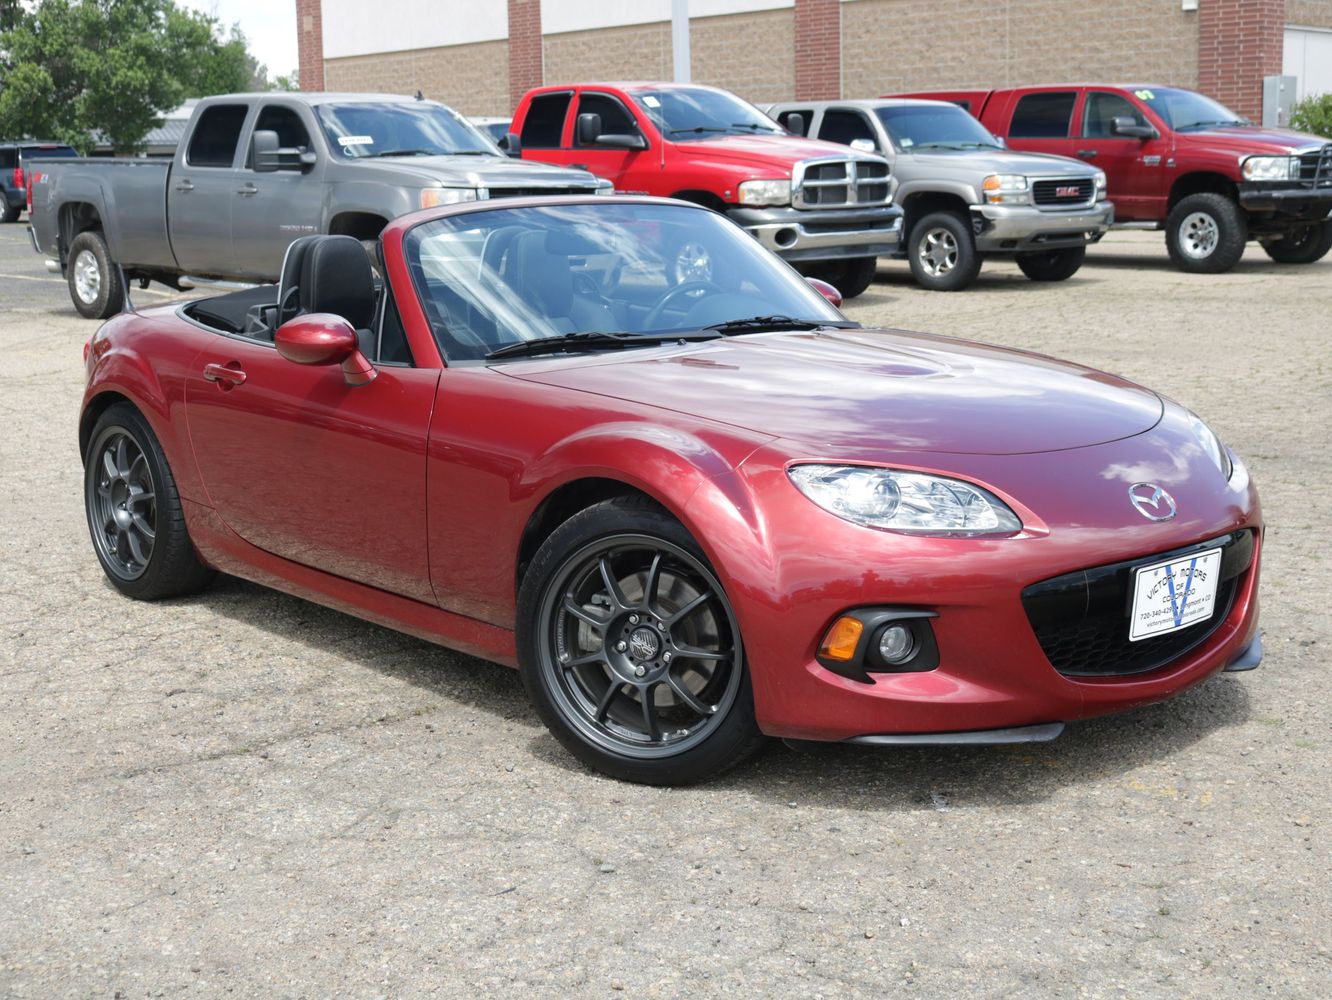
(896, 644)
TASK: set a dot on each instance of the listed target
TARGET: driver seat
(545, 280)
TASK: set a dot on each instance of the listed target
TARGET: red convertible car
(616, 443)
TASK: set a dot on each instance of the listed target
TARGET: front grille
(839, 183)
(1063, 192)
(536, 192)
(1082, 619)
(1316, 167)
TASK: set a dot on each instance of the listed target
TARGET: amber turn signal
(842, 639)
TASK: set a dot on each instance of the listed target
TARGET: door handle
(225, 375)
(247, 190)
(185, 186)
(1087, 154)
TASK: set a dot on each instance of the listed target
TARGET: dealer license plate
(1171, 595)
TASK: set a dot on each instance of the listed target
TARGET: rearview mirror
(266, 156)
(324, 339)
(1130, 128)
(826, 290)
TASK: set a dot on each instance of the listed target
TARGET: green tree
(70, 69)
(1313, 114)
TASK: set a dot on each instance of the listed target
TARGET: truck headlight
(911, 502)
(1007, 189)
(1100, 185)
(1271, 168)
(771, 192)
(433, 197)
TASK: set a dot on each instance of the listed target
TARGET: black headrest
(336, 278)
(289, 302)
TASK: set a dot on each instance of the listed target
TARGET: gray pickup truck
(964, 194)
(256, 171)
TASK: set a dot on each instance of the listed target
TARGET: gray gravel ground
(242, 793)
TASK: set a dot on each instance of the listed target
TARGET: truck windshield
(357, 131)
(934, 127)
(688, 113)
(1182, 110)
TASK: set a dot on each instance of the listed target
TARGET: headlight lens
(773, 192)
(1100, 184)
(912, 502)
(1211, 445)
(432, 197)
(1271, 168)
(1007, 189)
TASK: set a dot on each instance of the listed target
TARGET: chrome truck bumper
(797, 234)
(1019, 228)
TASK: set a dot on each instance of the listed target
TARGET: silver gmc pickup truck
(253, 173)
(964, 194)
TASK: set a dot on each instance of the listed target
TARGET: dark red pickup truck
(826, 209)
(1177, 160)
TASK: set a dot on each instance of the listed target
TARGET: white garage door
(1309, 57)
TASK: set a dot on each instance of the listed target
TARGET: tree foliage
(1313, 114)
(70, 69)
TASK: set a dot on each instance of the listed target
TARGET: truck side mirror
(512, 145)
(589, 129)
(264, 151)
(795, 123)
(590, 134)
(1129, 128)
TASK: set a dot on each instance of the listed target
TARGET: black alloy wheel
(630, 651)
(1303, 246)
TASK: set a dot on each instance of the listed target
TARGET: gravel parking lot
(244, 793)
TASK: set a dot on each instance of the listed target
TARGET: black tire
(94, 280)
(1206, 233)
(131, 501)
(598, 680)
(1303, 246)
(1052, 265)
(942, 252)
(9, 213)
(851, 277)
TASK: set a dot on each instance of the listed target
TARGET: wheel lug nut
(564, 657)
(666, 657)
(621, 646)
(640, 670)
(633, 619)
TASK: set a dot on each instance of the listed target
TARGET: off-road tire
(1305, 246)
(1206, 233)
(1052, 265)
(95, 296)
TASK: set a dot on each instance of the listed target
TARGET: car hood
(848, 390)
(489, 172)
(765, 150)
(1251, 139)
(1001, 161)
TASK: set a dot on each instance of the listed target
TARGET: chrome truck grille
(1316, 167)
(840, 182)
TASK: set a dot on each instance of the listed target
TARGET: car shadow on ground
(837, 776)
(898, 278)
(1254, 262)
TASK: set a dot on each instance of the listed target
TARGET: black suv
(13, 182)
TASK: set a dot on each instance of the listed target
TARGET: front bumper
(1293, 199)
(1020, 228)
(797, 234)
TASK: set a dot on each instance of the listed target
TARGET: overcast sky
(269, 26)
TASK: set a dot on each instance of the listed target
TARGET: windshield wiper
(754, 126)
(402, 152)
(766, 323)
(699, 129)
(587, 339)
(1190, 128)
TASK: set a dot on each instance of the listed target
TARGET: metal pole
(680, 39)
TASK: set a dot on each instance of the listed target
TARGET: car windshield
(494, 279)
(687, 113)
(1182, 110)
(357, 131)
(934, 127)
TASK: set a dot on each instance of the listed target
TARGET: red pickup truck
(1177, 160)
(826, 209)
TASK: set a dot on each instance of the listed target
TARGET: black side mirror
(589, 129)
(512, 145)
(590, 134)
(795, 123)
(264, 151)
(1129, 128)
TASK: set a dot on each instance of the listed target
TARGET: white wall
(580, 15)
(359, 27)
(1308, 56)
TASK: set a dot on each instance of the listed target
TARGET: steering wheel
(670, 295)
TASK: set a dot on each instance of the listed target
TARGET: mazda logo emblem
(1152, 502)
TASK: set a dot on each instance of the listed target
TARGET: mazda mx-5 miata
(618, 444)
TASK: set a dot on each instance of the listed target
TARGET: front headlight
(912, 502)
(1007, 189)
(433, 197)
(1100, 185)
(773, 192)
(1211, 445)
(1271, 168)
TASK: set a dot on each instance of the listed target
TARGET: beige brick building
(479, 55)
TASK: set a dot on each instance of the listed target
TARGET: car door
(270, 209)
(1135, 168)
(622, 167)
(306, 467)
(200, 191)
(1042, 121)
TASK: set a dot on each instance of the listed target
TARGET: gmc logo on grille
(1068, 192)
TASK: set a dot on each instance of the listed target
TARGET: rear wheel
(851, 277)
(1052, 265)
(942, 253)
(1303, 246)
(8, 212)
(630, 651)
(1205, 234)
(95, 283)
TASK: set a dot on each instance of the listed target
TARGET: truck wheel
(1052, 265)
(94, 281)
(942, 253)
(850, 277)
(1205, 234)
(1303, 246)
(8, 212)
